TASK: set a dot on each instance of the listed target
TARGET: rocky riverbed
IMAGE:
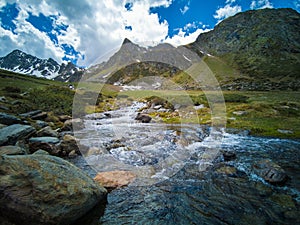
(155, 173)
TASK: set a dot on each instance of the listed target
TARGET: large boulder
(270, 172)
(13, 133)
(9, 119)
(43, 189)
(114, 179)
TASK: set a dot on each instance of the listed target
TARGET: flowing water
(180, 173)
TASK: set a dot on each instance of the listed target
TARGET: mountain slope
(260, 43)
(21, 62)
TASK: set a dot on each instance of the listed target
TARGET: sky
(81, 31)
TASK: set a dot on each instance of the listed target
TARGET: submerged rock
(13, 133)
(114, 179)
(270, 172)
(43, 189)
(143, 118)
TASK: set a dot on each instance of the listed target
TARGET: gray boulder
(30, 114)
(43, 189)
(270, 172)
(13, 133)
(47, 131)
(143, 118)
(9, 119)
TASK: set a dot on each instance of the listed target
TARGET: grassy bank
(273, 113)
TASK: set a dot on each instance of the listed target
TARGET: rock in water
(143, 118)
(114, 179)
(270, 172)
(11, 134)
(43, 189)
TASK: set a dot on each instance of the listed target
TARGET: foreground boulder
(44, 189)
(270, 172)
(114, 179)
(13, 133)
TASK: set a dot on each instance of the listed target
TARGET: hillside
(262, 44)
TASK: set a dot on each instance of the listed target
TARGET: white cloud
(230, 1)
(94, 27)
(227, 11)
(297, 4)
(261, 4)
(183, 37)
(184, 10)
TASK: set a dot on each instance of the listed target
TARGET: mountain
(21, 62)
(261, 44)
(134, 62)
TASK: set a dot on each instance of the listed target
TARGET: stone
(9, 119)
(227, 170)
(41, 123)
(43, 189)
(64, 118)
(12, 150)
(3, 99)
(40, 116)
(114, 179)
(30, 114)
(49, 144)
(240, 113)
(285, 131)
(76, 124)
(270, 172)
(11, 134)
(143, 118)
(68, 145)
(229, 155)
(157, 107)
(47, 131)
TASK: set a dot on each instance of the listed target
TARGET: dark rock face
(143, 118)
(13, 133)
(8, 119)
(42, 189)
(270, 172)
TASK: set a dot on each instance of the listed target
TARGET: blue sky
(83, 30)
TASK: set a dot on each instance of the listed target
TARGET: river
(180, 173)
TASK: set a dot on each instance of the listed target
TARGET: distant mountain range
(253, 50)
(21, 62)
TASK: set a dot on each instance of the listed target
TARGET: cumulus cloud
(184, 36)
(94, 27)
(297, 4)
(261, 4)
(227, 11)
(184, 10)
